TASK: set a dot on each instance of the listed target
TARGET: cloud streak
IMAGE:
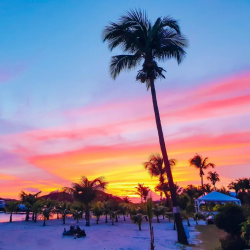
(113, 139)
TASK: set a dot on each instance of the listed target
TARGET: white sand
(22, 235)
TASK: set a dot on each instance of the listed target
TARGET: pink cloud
(8, 73)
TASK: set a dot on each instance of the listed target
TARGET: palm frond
(123, 62)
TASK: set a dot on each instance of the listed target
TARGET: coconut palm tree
(145, 192)
(106, 210)
(85, 191)
(148, 42)
(46, 213)
(123, 207)
(142, 191)
(234, 186)
(158, 210)
(213, 177)
(207, 188)
(223, 190)
(64, 208)
(200, 163)
(155, 167)
(137, 219)
(29, 200)
(36, 209)
(164, 188)
(97, 210)
(77, 210)
(11, 207)
(244, 184)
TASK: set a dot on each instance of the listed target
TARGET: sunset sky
(62, 116)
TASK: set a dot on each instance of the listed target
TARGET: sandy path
(123, 235)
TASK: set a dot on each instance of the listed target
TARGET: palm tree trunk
(44, 222)
(182, 238)
(106, 220)
(202, 181)
(27, 214)
(10, 216)
(64, 215)
(87, 216)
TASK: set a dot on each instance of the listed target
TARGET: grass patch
(209, 235)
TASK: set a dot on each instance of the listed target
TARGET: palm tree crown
(142, 191)
(200, 163)
(156, 168)
(213, 177)
(143, 41)
(85, 191)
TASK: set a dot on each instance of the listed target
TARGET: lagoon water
(15, 217)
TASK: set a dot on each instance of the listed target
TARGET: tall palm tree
(155, 167)
(200, 163)
(145, 41)
(85, 191)
(213, 177)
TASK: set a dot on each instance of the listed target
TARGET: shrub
(229, 219)
(245, 231)
(232, 243)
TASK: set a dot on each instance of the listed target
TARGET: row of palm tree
(156, 168)
(242, 185)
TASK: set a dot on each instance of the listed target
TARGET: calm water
(15, 217)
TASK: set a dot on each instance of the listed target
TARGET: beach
(23, 235)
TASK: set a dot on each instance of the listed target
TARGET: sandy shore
(123, 235)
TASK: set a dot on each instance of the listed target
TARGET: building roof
(216, 196)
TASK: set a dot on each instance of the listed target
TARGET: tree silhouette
(149, 42)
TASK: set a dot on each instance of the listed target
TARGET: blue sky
(53, 62)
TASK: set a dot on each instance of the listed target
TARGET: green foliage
(232, 243)
(11, 207)
(86, 191)
(135, 35)
(77, 210)
(245, 231)
(64, 209)
(142, 191)
(97, 210)
(229, 218)
(169, 215)
(183, 201)
(28, 200)
(123, 209)
(46, 214)
(137, 219)
(159, 210)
